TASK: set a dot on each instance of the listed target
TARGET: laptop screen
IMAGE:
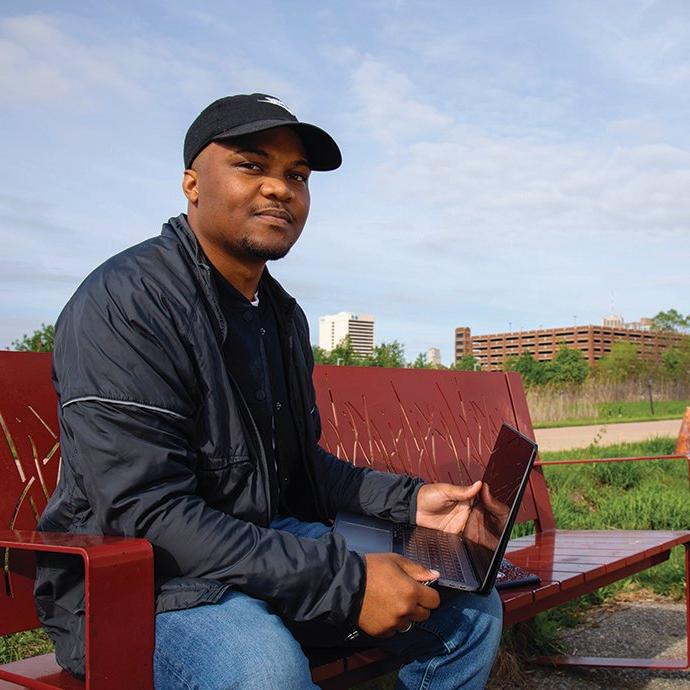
(491, 509)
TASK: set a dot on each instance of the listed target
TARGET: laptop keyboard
(431, 548)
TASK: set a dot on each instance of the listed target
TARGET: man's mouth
(281, 215)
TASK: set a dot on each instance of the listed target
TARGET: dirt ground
(650, 627)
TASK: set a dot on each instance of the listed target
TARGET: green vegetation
(24, 644)
(39, 341)
(671, 320)
(465, 363)
(569, 366)
(385, 355)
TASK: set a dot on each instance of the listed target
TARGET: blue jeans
(239, 643)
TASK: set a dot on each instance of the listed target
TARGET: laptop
(469, 561)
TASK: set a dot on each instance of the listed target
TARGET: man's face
(249, 197)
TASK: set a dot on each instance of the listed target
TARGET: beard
(258, 250)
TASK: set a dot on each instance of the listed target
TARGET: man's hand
(445, 506)
(395, 596)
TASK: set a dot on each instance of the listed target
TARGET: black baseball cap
(234, 116)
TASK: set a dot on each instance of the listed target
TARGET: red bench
(436, 424)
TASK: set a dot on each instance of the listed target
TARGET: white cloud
(389, 107)
(641, 42)
(41, 61)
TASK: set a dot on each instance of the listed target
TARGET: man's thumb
(462, 493)
(417, 571)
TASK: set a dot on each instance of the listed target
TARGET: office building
(494, 349)
(333, 328)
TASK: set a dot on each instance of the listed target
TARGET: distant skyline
(504, 163)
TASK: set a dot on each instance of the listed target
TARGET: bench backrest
(440, 425)
(29, 459)
(436, 424)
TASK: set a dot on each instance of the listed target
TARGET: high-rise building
(333, 328)
(494, 349)
(463, 342)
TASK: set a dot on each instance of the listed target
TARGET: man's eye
(248, 165)
(300, 177)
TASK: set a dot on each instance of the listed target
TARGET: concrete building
(463, 342)
(492, 350)
(333, 328)
(433, 356)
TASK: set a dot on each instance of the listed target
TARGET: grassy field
(623, 411)
(650, 495)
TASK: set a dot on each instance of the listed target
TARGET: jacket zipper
(257, 436)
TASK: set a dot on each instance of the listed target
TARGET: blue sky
(504, 163)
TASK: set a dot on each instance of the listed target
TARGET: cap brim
(322, 151)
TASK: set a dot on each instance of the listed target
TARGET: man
(188, 417)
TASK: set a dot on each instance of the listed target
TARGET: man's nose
(277, 187)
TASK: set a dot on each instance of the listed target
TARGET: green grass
(24, 644)
(624, 411)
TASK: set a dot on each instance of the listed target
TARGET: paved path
(565, 438)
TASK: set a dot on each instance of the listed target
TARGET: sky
(507, 165)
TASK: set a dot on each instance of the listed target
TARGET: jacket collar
(179, 227)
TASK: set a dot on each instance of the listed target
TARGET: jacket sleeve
(131, 453)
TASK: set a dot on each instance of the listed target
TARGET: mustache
(274, 210)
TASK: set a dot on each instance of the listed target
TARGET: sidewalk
(565, 438)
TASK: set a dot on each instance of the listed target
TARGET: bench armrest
(119, 631)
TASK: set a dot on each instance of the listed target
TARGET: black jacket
(157, 442)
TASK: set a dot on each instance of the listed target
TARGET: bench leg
(653, 664)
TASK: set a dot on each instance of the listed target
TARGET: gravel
(648, 628)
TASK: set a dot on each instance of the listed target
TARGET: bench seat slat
(39, 673)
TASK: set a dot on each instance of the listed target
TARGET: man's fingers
(428, 597)
(421, 614)
(494, 505)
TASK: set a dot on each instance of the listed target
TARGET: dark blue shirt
(256, 360)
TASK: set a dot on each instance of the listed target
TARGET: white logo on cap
(278, 102)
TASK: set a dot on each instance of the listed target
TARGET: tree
(320, 355)
(388, 355)
(675, 362)
(344, 354)
(671, 320)
(41, 340)
(420, 362)
(465, 363)
(623, 362)
(568, 366)
(532, 371)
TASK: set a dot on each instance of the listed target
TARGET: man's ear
(190, 185)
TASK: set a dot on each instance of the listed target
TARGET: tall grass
(552, 404)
